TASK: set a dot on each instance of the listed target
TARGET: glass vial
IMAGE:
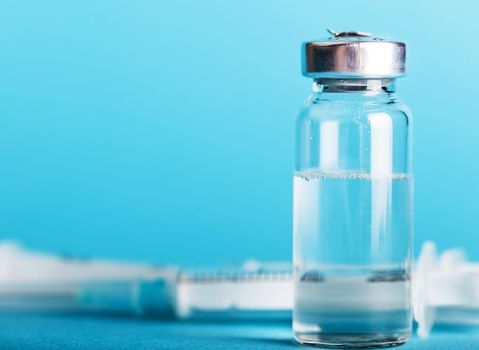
(353, 197)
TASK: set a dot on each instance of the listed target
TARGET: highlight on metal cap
(353, 54)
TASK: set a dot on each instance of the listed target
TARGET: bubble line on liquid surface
(315, 175)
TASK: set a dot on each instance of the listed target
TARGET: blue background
(162, 130)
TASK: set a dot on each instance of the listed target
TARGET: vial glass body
(352, 216)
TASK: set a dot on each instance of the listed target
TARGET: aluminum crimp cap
(353, 55)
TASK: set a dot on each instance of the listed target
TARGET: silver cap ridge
(353, 55)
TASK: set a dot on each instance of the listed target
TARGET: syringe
(34, 281)
(445, 288)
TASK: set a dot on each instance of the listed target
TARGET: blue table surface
(35, 331)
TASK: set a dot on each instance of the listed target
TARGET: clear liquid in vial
(352, 241)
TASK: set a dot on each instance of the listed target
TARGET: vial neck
(357, 86)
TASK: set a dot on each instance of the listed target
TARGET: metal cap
(353, 55)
